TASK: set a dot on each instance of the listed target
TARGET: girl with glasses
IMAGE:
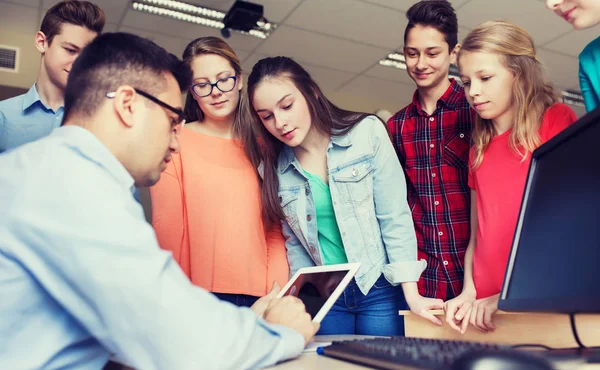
(206, 207)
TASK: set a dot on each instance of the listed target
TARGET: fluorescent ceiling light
(397, 60)
(197, 14)
(572, 98)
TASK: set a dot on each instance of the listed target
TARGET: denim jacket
(368, 192)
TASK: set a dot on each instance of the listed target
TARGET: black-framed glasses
(225, 84)
(176, 124)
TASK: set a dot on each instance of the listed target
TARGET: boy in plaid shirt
(432, 138)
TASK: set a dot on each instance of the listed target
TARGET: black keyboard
(406, 353)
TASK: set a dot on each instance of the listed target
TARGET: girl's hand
(482, 311)
(420, 306)
(458, 310)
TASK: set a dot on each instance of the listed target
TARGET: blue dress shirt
(25, 118)
(82, 276)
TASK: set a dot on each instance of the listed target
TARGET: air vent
(9, 58)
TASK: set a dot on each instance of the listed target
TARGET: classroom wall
(28, 64)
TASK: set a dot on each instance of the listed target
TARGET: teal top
(329, 236)
(589, 74)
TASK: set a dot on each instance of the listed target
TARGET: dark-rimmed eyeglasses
(225, 84)
(176, 123)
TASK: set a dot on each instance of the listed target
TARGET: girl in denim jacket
(332, 178)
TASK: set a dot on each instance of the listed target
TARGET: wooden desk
(553, 330)
(549, 329)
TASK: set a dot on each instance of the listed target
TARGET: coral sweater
(206, 209)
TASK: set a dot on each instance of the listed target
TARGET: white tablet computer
(320, 286)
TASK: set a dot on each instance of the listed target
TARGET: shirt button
(445, 263)
(431, 118)
(440, 233)
(431, 145)
(312, 249)
(280, 199)
(433, 175)
(308, 218)
(307, 191)
(436, 203)
(461, 135)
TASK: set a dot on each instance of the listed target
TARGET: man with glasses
(81, 274)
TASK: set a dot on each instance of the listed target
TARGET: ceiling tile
(394, 95)
(562, 70)
(19, 18)
(326, 78)
(376, 25)
(532, 15)
(30, 3)
(390, 74)
(321, 50)
(574, 42)
(184, 30)
(250, 61)
(403, 5)
(171, 44)
(110, 27)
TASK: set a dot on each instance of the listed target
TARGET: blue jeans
(373, 314)
(241, 300)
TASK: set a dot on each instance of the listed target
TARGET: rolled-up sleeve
(94, 253)
(393, 212)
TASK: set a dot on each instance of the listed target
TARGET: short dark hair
(116, 59)
(438, 14)
(76, 12)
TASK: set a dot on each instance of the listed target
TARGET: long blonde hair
(531, 92)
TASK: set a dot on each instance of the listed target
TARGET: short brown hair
(76, 12)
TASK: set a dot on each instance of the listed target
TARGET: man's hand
(290, 311)
(482, 311)
(260, 306)
(458, 310)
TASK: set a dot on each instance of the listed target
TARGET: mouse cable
(528, 345)
(574, 330)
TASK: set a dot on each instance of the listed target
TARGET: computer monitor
(554, 264)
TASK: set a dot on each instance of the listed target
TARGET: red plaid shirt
(434, 152)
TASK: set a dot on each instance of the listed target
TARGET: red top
(434, 152)
(499, 183)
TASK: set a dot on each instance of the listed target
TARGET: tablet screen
(315, 288)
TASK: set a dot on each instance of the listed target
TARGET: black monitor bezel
(573, 304)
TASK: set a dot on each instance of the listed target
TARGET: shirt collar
(449, 99)
(89, 146)
(287, 157)
(31, 97)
